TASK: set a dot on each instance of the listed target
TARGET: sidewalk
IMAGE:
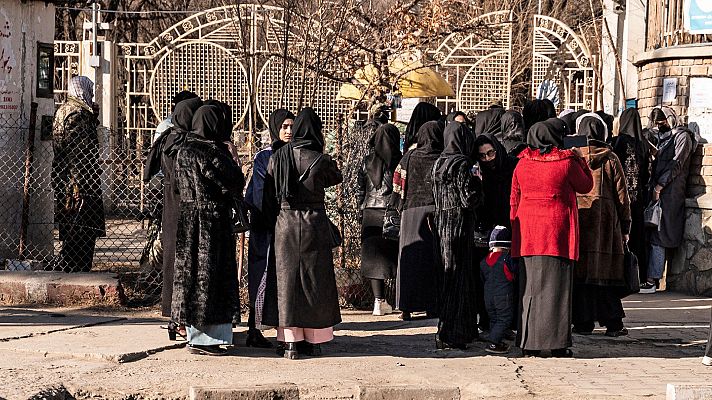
(124, 354)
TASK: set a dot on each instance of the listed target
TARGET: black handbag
(391, 225)
(653, 214)
(240, 220)
(631, 273)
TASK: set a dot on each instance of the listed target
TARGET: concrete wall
(22, 26)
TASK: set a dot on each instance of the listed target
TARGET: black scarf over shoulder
(307, 134)
(276, 119)
(458, 147)
(422, 113)
(182, 120)
(386, 153)
(546, 135)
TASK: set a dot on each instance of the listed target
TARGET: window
(45, 70)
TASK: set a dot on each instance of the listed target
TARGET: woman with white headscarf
(76, 179)
(667, 182)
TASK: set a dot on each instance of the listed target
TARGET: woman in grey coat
(297, 175)
(668, 180)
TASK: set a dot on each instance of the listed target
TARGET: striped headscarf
(82, 88)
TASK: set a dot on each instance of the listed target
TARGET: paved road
(124, 354)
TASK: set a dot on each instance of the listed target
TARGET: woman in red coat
(545, 235)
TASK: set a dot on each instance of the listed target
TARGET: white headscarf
(566, 112)
(82, 88)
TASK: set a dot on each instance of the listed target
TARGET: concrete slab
(408, 392)
(39, 287)
(18, 323)
(688, 392)
(122, 341)
(260, 392)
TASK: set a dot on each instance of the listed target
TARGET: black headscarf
(430, 138)
(386, 155)
(496, 183)
(451, 117)
(422, 113)
(512, 133)
(306, 135)
(629, 124)
(225, 128)
(276, 119)
(184, 95)
(489, 121)
(500, 156)
(537, 111)
(207, 123)
(608, 119)
(570, 121)
(546, 135)
(458, 148)
(592, 128)
(183, 115)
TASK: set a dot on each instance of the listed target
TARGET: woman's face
(486, 154)
(285, 131)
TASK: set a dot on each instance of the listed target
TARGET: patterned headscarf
(82, 88)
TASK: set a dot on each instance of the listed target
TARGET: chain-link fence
(74, 200)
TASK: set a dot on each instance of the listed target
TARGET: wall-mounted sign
(700, 109)
(698, 16)
(669, 90)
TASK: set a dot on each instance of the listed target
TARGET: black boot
(290, 351)
(256, 339)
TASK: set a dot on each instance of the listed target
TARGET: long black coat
(76, 170)
(306, 283)
(205, 282)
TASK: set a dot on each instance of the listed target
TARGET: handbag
(391, 225)
(334, 234)
(240, 220)
(652, 214)
(631, 273)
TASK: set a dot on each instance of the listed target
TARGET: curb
(688, 392)
(272, 392)
(408, 392)
(58, 288)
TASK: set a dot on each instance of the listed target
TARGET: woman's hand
(626, 238)
(656, 192)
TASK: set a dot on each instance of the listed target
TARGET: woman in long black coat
(419, 272)
(379, 256)
(668, 182)
(633, 150)
(209, 182)
(297, 176)
(456, 192)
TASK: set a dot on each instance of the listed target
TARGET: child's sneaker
(706, 360)
(497, 348)
(647, 288)
(381, 307)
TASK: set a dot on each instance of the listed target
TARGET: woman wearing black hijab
(422, 113)
(489, 121)
(209, 182)
(456, 192)
(297, 176)
(537, 111)
(261, 276)
(512, 135)
(419, 271)
(633, 150)
(379, 256)
(604, 225)
(164, 151)
(545, 230)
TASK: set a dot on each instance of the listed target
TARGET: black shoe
(562, 353)
(405, 316)
(621, 332)
(290, 351)
(531, 353)
(256, 339)
(581, 331)
(174, 330)
(497, 348)
(440, 345)
(280, 348)
(309, 349)
(214, 350)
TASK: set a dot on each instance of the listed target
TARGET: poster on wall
(699, 112)
(698, 16)
(669, 90)
(9, 96)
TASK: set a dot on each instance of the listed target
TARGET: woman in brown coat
(604, 221)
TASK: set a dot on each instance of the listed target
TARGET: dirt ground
(124, 354)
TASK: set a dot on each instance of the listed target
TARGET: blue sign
(698, 16)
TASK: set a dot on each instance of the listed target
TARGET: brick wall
(650, 83)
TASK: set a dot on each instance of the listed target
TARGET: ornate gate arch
(478, 67)
(560, 56)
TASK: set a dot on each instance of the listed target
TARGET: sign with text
(699, 113)
(698, 16)
(669, 90)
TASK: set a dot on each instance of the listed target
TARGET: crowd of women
(570, 213)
